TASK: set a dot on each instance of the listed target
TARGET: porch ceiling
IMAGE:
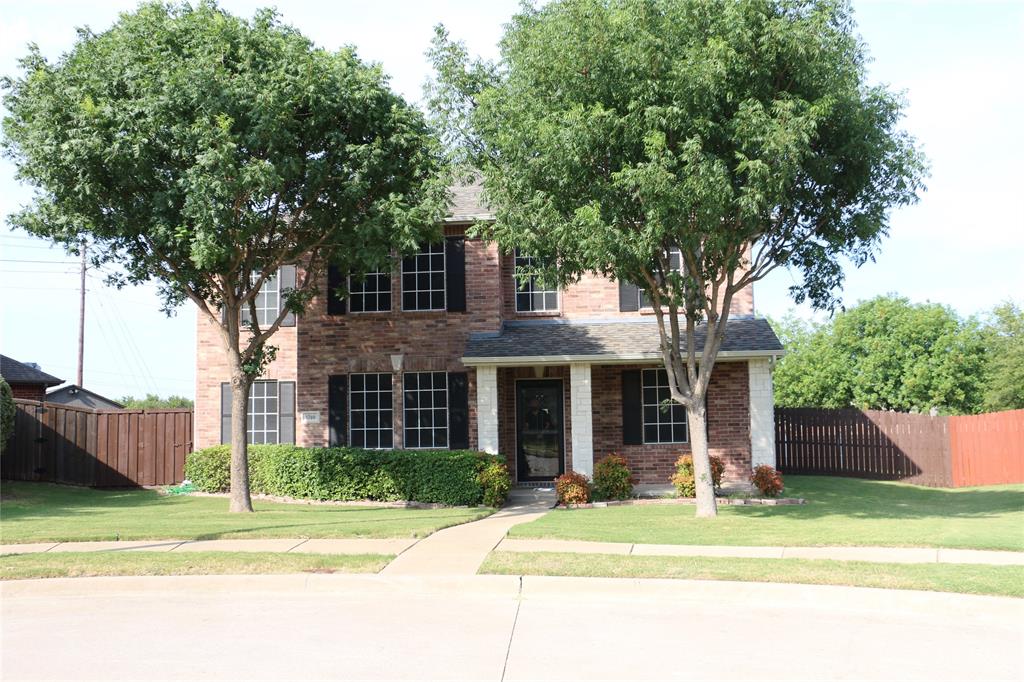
(548, 342)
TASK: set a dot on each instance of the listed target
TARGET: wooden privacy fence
(106, 448)
(935, 451)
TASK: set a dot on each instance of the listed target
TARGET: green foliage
(883, 354)
(1004, 339)
(7, 413)
(154, 402)
(496, 483)
(572, 488)
(612, 478)
(685, 481)
(453, 477)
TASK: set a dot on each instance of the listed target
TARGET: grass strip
(964, 578)
(88, 564)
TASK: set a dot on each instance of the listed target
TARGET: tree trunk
(697, 420)
(241, 383)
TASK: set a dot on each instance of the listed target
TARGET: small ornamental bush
(452, 477)
(612, 479)
(767, 480)
(684, 481)
(572, 488)
(496, 483)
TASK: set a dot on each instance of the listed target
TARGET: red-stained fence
(981, 449)
(106, 448)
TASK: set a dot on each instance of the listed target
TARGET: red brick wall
(28, 391)
(728, 424)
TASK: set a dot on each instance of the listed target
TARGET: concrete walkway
(377, 627)
(893, 555)
(461, 549)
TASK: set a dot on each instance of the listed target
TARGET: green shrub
(453, 477)
(572, 488)
(496, 483)
(684, 480)
(7, 411)
(612, 478)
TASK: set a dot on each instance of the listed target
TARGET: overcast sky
(959, 63)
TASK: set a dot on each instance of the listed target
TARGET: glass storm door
(540, 440)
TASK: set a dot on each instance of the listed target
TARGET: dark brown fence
(916, 448)
(107, 448)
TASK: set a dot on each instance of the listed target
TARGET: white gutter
(608, 358)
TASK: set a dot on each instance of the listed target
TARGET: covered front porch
(554, 397)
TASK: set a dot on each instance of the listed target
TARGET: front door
(540, 434)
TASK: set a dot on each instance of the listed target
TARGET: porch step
(535, 484)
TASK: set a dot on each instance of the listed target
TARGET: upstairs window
(531, 295)
(662, 422)
(267, 300)
(423, 278)
(675, 261)
(372, 294)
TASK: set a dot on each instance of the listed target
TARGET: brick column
(582, 419)
(487, 408)
(762, 414)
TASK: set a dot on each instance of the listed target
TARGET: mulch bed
(723, 501)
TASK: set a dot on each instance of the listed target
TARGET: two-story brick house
(450, 350)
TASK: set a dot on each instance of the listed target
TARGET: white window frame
(387, 406)
(444, 277)
(376, 292)
(271, 287)
(662, 417)
(259, 409)
(420, 409)
(531, 288)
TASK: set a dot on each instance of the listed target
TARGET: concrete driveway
(496, 627)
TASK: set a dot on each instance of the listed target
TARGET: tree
(1004, 337)
(8, 411)
(884, 354)
(154, 402)
(205, 151)
(624, 136)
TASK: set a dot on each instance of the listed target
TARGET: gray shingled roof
(622, 340)
(19, 373)
(466, 204)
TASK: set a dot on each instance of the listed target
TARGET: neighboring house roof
(19, 373)
(81, 397)
(467, 203)
(560, 341)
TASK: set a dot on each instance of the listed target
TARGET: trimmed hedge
(452, 477)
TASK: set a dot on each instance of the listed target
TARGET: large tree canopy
(884, 354)
(1004, 337)
(742, 135)
(205, 151)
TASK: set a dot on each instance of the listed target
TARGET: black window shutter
(286, 411)
(337, 410)
(225, 413)
(286, 279)
(335, 281)
(458, 411)
(629, 297)
(632, 408)
(455, 273)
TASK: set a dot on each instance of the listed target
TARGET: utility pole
(81, 319)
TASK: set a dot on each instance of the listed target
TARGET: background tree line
(890, 354)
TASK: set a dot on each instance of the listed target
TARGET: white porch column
(487, 408)
(582, 419)
(762, 413)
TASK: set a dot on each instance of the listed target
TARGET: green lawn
(84, 564)
(969, 579)
(839, 511)
(39, 512)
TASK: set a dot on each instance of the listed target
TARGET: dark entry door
(540, 433)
